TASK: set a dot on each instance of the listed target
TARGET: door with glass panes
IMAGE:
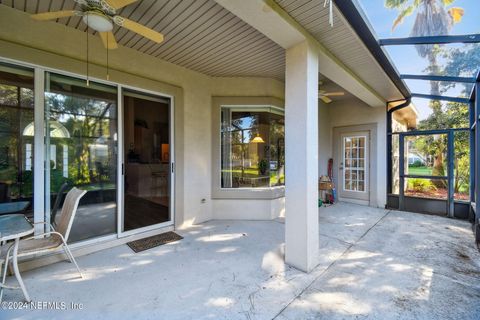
(353, 182)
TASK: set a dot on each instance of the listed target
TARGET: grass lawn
(426, 171)
(253, 172)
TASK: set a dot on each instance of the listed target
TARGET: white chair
(51, 240)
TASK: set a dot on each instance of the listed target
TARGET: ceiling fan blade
(54, 15)
(334, 94)
(325, 99)
(117, 4)
(108, 40)
(138, 28)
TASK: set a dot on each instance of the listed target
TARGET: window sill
(249, 193)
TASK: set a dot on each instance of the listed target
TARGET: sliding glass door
(65, 130)
(81, 150)
(147, 161)
(16, 141)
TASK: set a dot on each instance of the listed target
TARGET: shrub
(416, 164)
(421, 185)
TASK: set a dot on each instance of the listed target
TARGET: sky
(406, 58)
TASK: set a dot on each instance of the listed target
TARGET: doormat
(154, 241)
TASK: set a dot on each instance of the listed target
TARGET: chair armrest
(33, 237)
(46, 234)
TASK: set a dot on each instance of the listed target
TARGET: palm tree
(432, 18)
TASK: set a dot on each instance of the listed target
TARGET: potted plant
(262, 166)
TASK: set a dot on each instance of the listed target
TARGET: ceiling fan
(100, 15)
(324, 95)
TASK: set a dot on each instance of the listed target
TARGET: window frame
(239, 103)
(166, 90)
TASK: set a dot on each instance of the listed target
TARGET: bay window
(252, 147)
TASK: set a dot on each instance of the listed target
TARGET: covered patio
(289, 142)
(374, 263)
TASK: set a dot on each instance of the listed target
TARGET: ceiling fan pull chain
(108, 75)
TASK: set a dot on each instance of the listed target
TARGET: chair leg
(4, 276)
(71, 258)
(16, 271)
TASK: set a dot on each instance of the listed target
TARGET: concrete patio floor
(374, 263)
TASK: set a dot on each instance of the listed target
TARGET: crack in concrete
(330, 265)
(342, 241)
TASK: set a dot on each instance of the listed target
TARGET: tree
(461, 61)
(432, 18)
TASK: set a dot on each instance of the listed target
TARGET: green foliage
(263, 166)
(423, 25)
(402, 15)
(421, 185)
(448, 2)
(416, 164)
(395, 4)
(450, 115)
(425, 171)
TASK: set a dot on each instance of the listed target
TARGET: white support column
(301, 156)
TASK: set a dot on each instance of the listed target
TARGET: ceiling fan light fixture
(98, 22)
(258, 139)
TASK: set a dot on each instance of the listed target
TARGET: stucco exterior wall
(324, 138)
(353, 112)
(58, 47)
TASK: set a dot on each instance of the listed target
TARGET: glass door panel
(425, 162)
(354, 159)
(147, 145)
(16, 140)
(81, 150)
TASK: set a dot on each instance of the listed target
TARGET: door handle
(341, 168)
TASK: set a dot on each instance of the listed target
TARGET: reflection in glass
(383, 15)
(448, 89)
(407, 60)
(253, 147)
(147, 153)
(16, 148)
(81, 144)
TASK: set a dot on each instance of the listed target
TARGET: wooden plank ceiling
(199, 35)
(342, 41)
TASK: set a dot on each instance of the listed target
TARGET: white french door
(354, 166)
